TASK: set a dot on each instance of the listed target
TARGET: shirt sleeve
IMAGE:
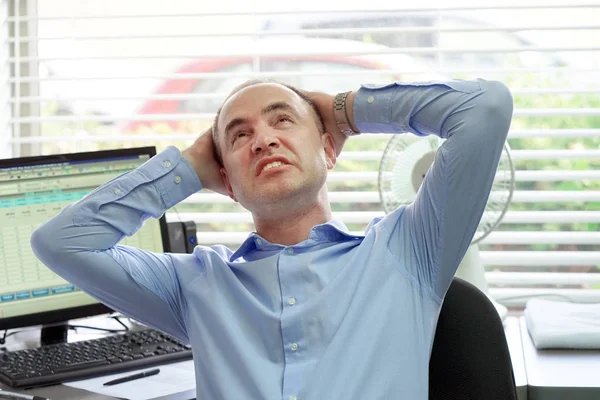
(432, 234)
(80, 243)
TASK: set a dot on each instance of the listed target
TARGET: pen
(18, 396)
(132, 377)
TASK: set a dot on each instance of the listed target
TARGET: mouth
(271, 165)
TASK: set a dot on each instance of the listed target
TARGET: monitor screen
(34, 189)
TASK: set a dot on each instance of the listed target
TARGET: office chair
(470, 357)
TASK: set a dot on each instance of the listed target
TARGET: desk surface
(515, 346)
(560, 374)
(539, 374)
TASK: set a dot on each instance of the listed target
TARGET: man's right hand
(201, 155)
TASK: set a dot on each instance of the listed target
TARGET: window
(236, 75)
(211, 105)
(86, 75)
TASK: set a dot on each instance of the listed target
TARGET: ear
(227, 184)
(329, 148)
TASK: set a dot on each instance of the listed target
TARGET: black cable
(74, 327)
(114, 317)
(6, 334)
(3, 339)
(118, 319)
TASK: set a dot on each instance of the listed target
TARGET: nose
(263, 139)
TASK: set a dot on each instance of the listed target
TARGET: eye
(283, 118)
(238, 135)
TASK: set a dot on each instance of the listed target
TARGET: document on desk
(175, 381)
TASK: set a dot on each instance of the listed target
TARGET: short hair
(316, 114)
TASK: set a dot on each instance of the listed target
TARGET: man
(303, 309)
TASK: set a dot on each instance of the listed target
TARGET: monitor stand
(54, 334)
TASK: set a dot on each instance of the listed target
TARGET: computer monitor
(32, 190)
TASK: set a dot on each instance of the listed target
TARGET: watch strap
(341, 115)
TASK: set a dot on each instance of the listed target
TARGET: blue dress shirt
(337, 316)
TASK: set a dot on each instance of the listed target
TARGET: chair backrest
(470, 357)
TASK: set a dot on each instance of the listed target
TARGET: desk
(515, 346)
(539, 374)
(560, 374)
(31, 339)
(62, 392)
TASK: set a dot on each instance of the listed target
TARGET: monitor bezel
(90, 310)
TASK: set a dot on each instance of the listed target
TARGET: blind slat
(542, 278)
(209, 116)
(520, 176)
(516, 155)
(519, 296)
(332, 52)
(308, 32)
(222, 96)
(524, 237)
(512, 217)
(437, 11)
(519, 196)
(282, 74)
(177, 136)
(540, 258)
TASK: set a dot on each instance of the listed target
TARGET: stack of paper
(174, 382)
(561, 325)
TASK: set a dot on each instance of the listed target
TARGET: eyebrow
(278, 105)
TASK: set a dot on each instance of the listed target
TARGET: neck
(293, 227)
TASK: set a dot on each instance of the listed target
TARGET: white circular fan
(404, 165)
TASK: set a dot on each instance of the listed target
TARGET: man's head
(315, 113)
(270, 139)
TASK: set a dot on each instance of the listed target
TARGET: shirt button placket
(290, 331)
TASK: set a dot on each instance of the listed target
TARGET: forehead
(250, 100)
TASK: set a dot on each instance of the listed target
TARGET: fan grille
(405, 161)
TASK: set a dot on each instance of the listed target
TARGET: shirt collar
(331, 231)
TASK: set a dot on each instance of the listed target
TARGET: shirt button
(291, 301)
(167, 164)
(294, 346)
(370, 99)
(259, 241)
(290, 250)
(177, 179)
(117, 191)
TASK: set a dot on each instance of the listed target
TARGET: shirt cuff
(373, 109)
(172, 175)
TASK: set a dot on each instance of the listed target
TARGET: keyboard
(52, 364)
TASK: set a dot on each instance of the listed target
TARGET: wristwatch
(341, 115)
